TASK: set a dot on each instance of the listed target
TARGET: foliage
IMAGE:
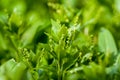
(59, 40)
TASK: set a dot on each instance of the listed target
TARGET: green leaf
(18, 71)
(8, 66)
(3, 45)
(3, 18)
(55, 26)
(55, 29)
(29, 34)
(117, 5)
(12, 70)
(106, 42)
(97, 71)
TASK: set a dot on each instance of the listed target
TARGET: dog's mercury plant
(59, 40)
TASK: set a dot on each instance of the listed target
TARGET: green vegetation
(59, 40)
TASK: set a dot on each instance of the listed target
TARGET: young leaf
(106, 42)
(29, 34)
(55, 29)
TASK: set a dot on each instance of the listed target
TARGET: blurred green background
(24, 21)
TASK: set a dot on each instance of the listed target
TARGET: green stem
(59, 72)
(59, 68)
